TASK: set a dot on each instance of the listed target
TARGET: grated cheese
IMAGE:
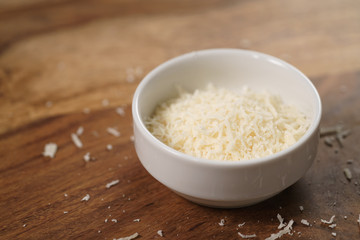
(113, 131)
(86, 110)
(286, 230)
(330, 221)
(112, 183)
(222, 222)
(76, 140)
(86, 198)
(160, 233)
(347, 174)
(247, 236)
(105, 102)
(80, 130)
(217, 123)
(135, 235)
(87, 157)
(301, 208)
(109, 147)
(332, 225)
(50, 150)
(305, 222)
(281, 220)
(241, 224)
(120, 111)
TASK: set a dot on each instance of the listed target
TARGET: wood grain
(75, 54)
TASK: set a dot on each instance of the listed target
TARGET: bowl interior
(232, 69)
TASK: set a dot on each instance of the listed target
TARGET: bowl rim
(314, 125)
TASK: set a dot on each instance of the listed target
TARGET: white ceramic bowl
(219, 183)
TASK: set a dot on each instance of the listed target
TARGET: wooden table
(66, 64)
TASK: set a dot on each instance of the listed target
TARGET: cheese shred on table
(219, 124)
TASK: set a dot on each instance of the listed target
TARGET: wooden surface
(59, 57)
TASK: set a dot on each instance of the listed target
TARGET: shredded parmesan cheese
(305, 222)
(86, 198)
(301, 208)
(135, 235)
(136, 220)
(347, 174)
(113, 131)
(241, 224)
(87, 157)
(222, 222)
(286, 230)
(247, 236)
(112, 183)
(160, 233)
(332, 225)
(330, 221)
(105, 102)
(120, 111)
(50, 150)
(80, 130)
(217, 123)
(76, 140)
(109, 147)
(281, 220)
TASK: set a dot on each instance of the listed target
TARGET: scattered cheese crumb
(105, 102)
(328, 222)
(120, 111)
(305, 222)
(347, 174)
(86, 110)
(222, 222)
(65, 195)
(114, 220)
(135, 235)
(106, 220)
(109, 147)
(76, 140)
(160, 233)
(65, 212)
(113, 131)
(112, 183)
(332, 225)
(247, 236)
(281, 220)
(334, 234)
(86, 198)
(359, 220)
(87, 157)
(50, 150)
(286, 230)
(241, 224)
(224, 125)
(48, 104)
(301, 208)
(24, 225)
(79, 131)
(137, 220)
(345, 217)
